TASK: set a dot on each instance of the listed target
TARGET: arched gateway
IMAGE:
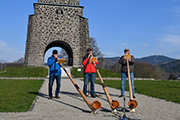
(57, 23)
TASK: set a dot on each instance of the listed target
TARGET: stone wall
(56, 23)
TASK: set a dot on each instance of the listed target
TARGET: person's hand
(56, 56)
(90, 55)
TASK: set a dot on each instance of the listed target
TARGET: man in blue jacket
(54, 73)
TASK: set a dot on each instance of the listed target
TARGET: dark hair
(89, 49)
(55, 52)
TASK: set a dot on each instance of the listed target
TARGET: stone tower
(57, 23)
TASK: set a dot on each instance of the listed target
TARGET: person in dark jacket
(54, 73)
(89, 72)
(124, 71)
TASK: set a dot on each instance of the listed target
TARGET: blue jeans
(58, 82)
(123, 82)
(87, 77)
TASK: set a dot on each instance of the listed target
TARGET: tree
(63, 54)
(20, 60)
(96, 50)
(172, 77)
(2, 64)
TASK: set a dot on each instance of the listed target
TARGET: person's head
(89, 50)
(54, 52)
(126, 51)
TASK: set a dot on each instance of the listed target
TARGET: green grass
(167, 90)
(24, 72)
(103, 72)
(18, 95)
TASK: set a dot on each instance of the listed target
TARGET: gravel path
(72, 107)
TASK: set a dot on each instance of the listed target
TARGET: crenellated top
(63, 2)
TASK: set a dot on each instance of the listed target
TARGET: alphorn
(113, 103)
(95, 105)
(132, 103)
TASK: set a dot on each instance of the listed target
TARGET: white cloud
(111, 54)
(142, 45)
(171, 39)
(8, 53)
(145, 45)
(168, 45)
(123, 45)
(174, 29)
(176, 9)
(4, 48)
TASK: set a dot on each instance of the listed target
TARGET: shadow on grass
(46, 96)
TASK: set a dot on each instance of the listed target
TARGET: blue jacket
(54, 67)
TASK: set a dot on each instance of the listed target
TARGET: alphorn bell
(113, 103)
(132, 103)
(95, 105)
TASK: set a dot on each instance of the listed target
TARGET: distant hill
(111, 61)
(156, 66)
(172, 67)
(155, 59)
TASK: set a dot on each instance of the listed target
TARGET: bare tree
(20, 60)
(2, 64)
(63, 54)
(96, 50)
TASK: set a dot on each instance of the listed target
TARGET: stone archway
(65, 46)
(57, 23)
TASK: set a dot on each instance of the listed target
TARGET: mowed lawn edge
(104, 72)
(24, 72)
(18, 95)
(162, 89)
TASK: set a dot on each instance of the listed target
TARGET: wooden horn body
(95, 105)
(132, 103)
(113, 103)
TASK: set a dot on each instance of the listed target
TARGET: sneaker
(134, 97)
(57, 97)
(98, 95)
(50, 97)
(93, 96)
(132, 110)
(121, 96)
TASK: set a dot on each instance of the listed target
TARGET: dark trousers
(58, 83)
(87, 77)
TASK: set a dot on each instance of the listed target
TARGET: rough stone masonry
(57, 23)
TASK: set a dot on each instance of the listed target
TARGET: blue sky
(146, 27)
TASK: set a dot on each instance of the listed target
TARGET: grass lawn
(167, 90)
(18, 95)
(24, 72)
(104, 73)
